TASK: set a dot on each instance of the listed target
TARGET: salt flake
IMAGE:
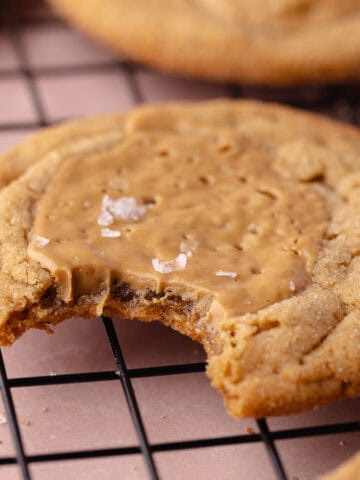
(167, 267)
(292, 286)
(125, 208)
(222, 273)
(188, 247)
(40, 242)
(108, 233)
(2, 419)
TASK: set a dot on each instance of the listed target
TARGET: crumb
(44, 409)
(250, 431)
(163, 417)
(342, 443)
(292, 286)
(24, 421)
(2, 419)
(222, 273)
(166, 267)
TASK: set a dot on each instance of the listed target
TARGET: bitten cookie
(236, 223)
(350, 470)
(265, 42)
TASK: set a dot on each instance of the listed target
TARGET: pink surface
(66, 96)
(158, 87)
(15, 101)
(7, 53)
(225, 463)
(174, 408)
(72, 48)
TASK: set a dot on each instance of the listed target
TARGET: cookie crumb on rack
(250, 431)
(44, 409)
(24, 421)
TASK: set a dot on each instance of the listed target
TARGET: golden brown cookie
(236, 223)
(103, 130)
(350, 470)
(277, 42)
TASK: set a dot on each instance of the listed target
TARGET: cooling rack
(339, 101)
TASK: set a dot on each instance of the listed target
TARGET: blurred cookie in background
(277, 42)
(350, 470)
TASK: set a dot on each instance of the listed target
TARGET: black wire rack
(339, 101)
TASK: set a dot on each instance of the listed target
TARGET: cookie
(350, 470)
(235, 223)
(276, 43)
(103, 131)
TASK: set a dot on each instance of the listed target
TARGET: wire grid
(339, 101)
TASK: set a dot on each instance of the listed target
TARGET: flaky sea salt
(2, 419)
(105, 218)
(52, 374)
(222, 273)
(124, 208)
(188, 247)
(292, 286)
(179, 263)
(108, 233)
(40, 242)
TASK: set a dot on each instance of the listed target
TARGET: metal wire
(339, 101)
(130, 398)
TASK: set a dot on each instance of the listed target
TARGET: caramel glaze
(204, 191)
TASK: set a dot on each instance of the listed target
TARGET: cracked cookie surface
(236, 223)
(274, 42)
